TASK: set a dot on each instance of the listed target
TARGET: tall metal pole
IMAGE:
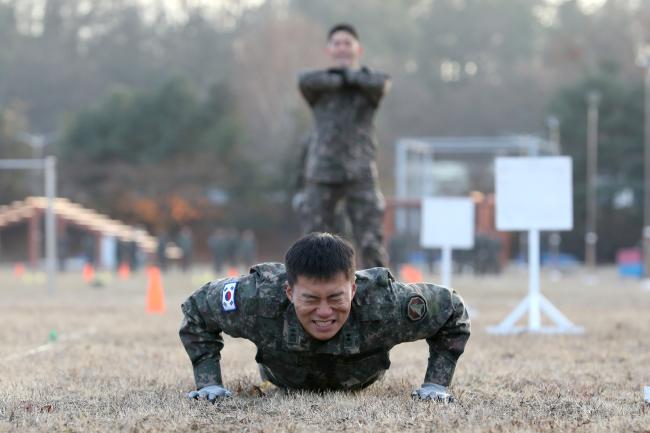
(401, 182)
(555, 239)
(50, 224)
(646, 175)
(446, 265)
(591, 236)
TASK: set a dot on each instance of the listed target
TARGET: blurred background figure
(487, 251)
(62, 250)
(398, 249)
(89, 249)
(218, 245)
(185, 242)
(161, 250)
(133, 254)
(248, 248)
(232, 251)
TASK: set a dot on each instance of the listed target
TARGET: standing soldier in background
(340, 159)
(248, 248)
(232, 248)
(341, 224)
(161, 250)
(186, 244)
(218, 243)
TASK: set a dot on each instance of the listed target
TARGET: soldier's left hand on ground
(432, 391)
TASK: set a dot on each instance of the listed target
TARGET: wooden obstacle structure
(32, 210)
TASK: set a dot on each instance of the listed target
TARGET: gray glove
(432, 391)
(210, 393)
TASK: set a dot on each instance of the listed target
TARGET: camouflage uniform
(340, 158)
(384, 313)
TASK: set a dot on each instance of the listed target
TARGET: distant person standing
(89, 247)
(62, 249)
(186, 244)
(133, 252)
(161, 250)
(232, 248)
(218, 246)
(248, 248)
(340, 159)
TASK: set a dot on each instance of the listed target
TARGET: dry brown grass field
(114, 368)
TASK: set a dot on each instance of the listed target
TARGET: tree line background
(176, 112)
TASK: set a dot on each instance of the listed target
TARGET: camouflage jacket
(343, 147)
(384, 313)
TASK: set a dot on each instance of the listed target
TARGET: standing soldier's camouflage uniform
(384, 313)
(340, 161)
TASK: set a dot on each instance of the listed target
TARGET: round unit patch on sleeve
(416, 308)
(228, 297)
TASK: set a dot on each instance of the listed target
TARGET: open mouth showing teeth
(323, 323)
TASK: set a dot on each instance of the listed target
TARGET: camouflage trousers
(364, 205)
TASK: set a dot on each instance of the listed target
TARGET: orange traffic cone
(411, 274)
(124, 271)
(19, 270)
(232, 272)
(155, 293)
(88, 273)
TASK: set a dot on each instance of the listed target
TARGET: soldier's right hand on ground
(433, 391)
(210, 393)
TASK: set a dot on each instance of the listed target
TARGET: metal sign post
(50, 223)
(535, 303)
(445, 265)
(533, 194)
(446, 223)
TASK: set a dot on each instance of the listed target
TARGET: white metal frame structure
(415, 158)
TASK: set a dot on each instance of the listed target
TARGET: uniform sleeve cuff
(208, 372)
(440, 369)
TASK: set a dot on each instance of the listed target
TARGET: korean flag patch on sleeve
(228, 297)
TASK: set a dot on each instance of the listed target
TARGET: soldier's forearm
(374, 86)
(365, 80)
(448, 344)
(201, 338)
(440, 369)
(207, 372)
(312, 83)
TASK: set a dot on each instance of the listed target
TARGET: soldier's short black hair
(320, 256)
(345, 27)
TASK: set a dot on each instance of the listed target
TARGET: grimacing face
(344, 50)
(322, 306)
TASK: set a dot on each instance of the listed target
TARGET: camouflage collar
(294, 335)
(296, 339)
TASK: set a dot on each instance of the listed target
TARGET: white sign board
(447, 222)
(534, 193)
